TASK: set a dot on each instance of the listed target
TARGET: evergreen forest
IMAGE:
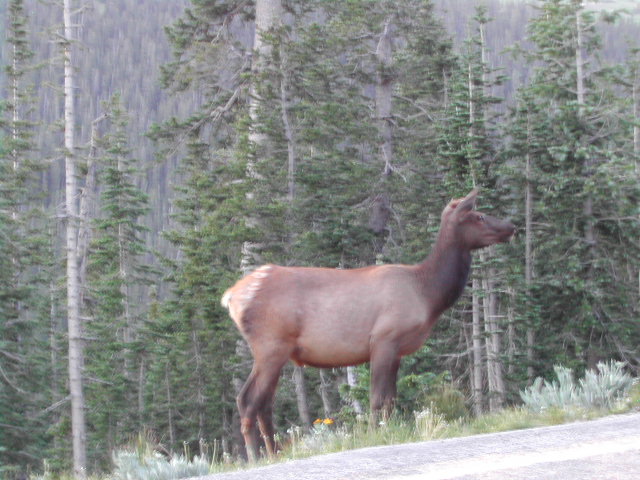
(154, 151)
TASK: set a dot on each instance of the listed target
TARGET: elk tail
(226, 299)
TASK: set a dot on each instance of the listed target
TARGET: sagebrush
(599, 389)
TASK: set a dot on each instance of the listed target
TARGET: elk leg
(245, 401)
(265, 421)
(385, 362)
(254, 403)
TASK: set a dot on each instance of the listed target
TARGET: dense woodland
(333, 134)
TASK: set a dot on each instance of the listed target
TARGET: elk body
(326, 317)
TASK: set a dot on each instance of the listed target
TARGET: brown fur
(330, 318)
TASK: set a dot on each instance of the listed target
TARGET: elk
(325, 317)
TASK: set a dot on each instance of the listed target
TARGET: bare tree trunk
(383, 98)
(636, 117)
(511, 332)
(56, 394)
(324, 394)
(476, 329)
(528, 264)
(288, 128)
(15, 118)
(301, 396)
(87, 205)
(76, 341)
(172, 435)
(493, 341)
(492, 382)
(200, 397)
(141, 382)
(268, 16)
(384, 94)
(580, 87)
(589, 233)
(352, 381)
(636, 132)
(476, 320)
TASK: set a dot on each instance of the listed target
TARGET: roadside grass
(606, 390)
(429, 425)
(610, 390)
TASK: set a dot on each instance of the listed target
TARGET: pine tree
(25, 265)
(193, 362)
(467, 159)
(116, 276)
(581, 195)
(527, 130)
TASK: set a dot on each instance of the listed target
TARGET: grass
(603, 391)
(425, 425)
(428, 425)
(142, 463)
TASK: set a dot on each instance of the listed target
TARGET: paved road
(604, 449)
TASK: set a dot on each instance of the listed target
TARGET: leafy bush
(449, 402)
(598, 389)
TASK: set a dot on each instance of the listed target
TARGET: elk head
(471, 229)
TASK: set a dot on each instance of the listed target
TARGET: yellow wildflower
(328, 421)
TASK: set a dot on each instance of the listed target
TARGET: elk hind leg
(246, 407)
(255, 404)
(265, 422)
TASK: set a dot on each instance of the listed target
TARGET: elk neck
(444, 273)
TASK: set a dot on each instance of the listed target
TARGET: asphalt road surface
(604, 449)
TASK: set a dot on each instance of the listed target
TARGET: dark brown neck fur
(444, 273)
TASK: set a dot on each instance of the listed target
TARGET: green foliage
(26, 262)
(449, 402)
(189, 343)
(285, 151)
(581, 311)
(116, 272)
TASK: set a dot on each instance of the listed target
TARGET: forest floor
(606, 448)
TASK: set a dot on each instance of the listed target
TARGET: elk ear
(451, 207)
(468, 203)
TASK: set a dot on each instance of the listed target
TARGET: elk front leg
(385, 362)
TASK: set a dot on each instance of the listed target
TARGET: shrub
(603, 388)
(598, 389)
(449, 402)
(430, 424)
(133, 466)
